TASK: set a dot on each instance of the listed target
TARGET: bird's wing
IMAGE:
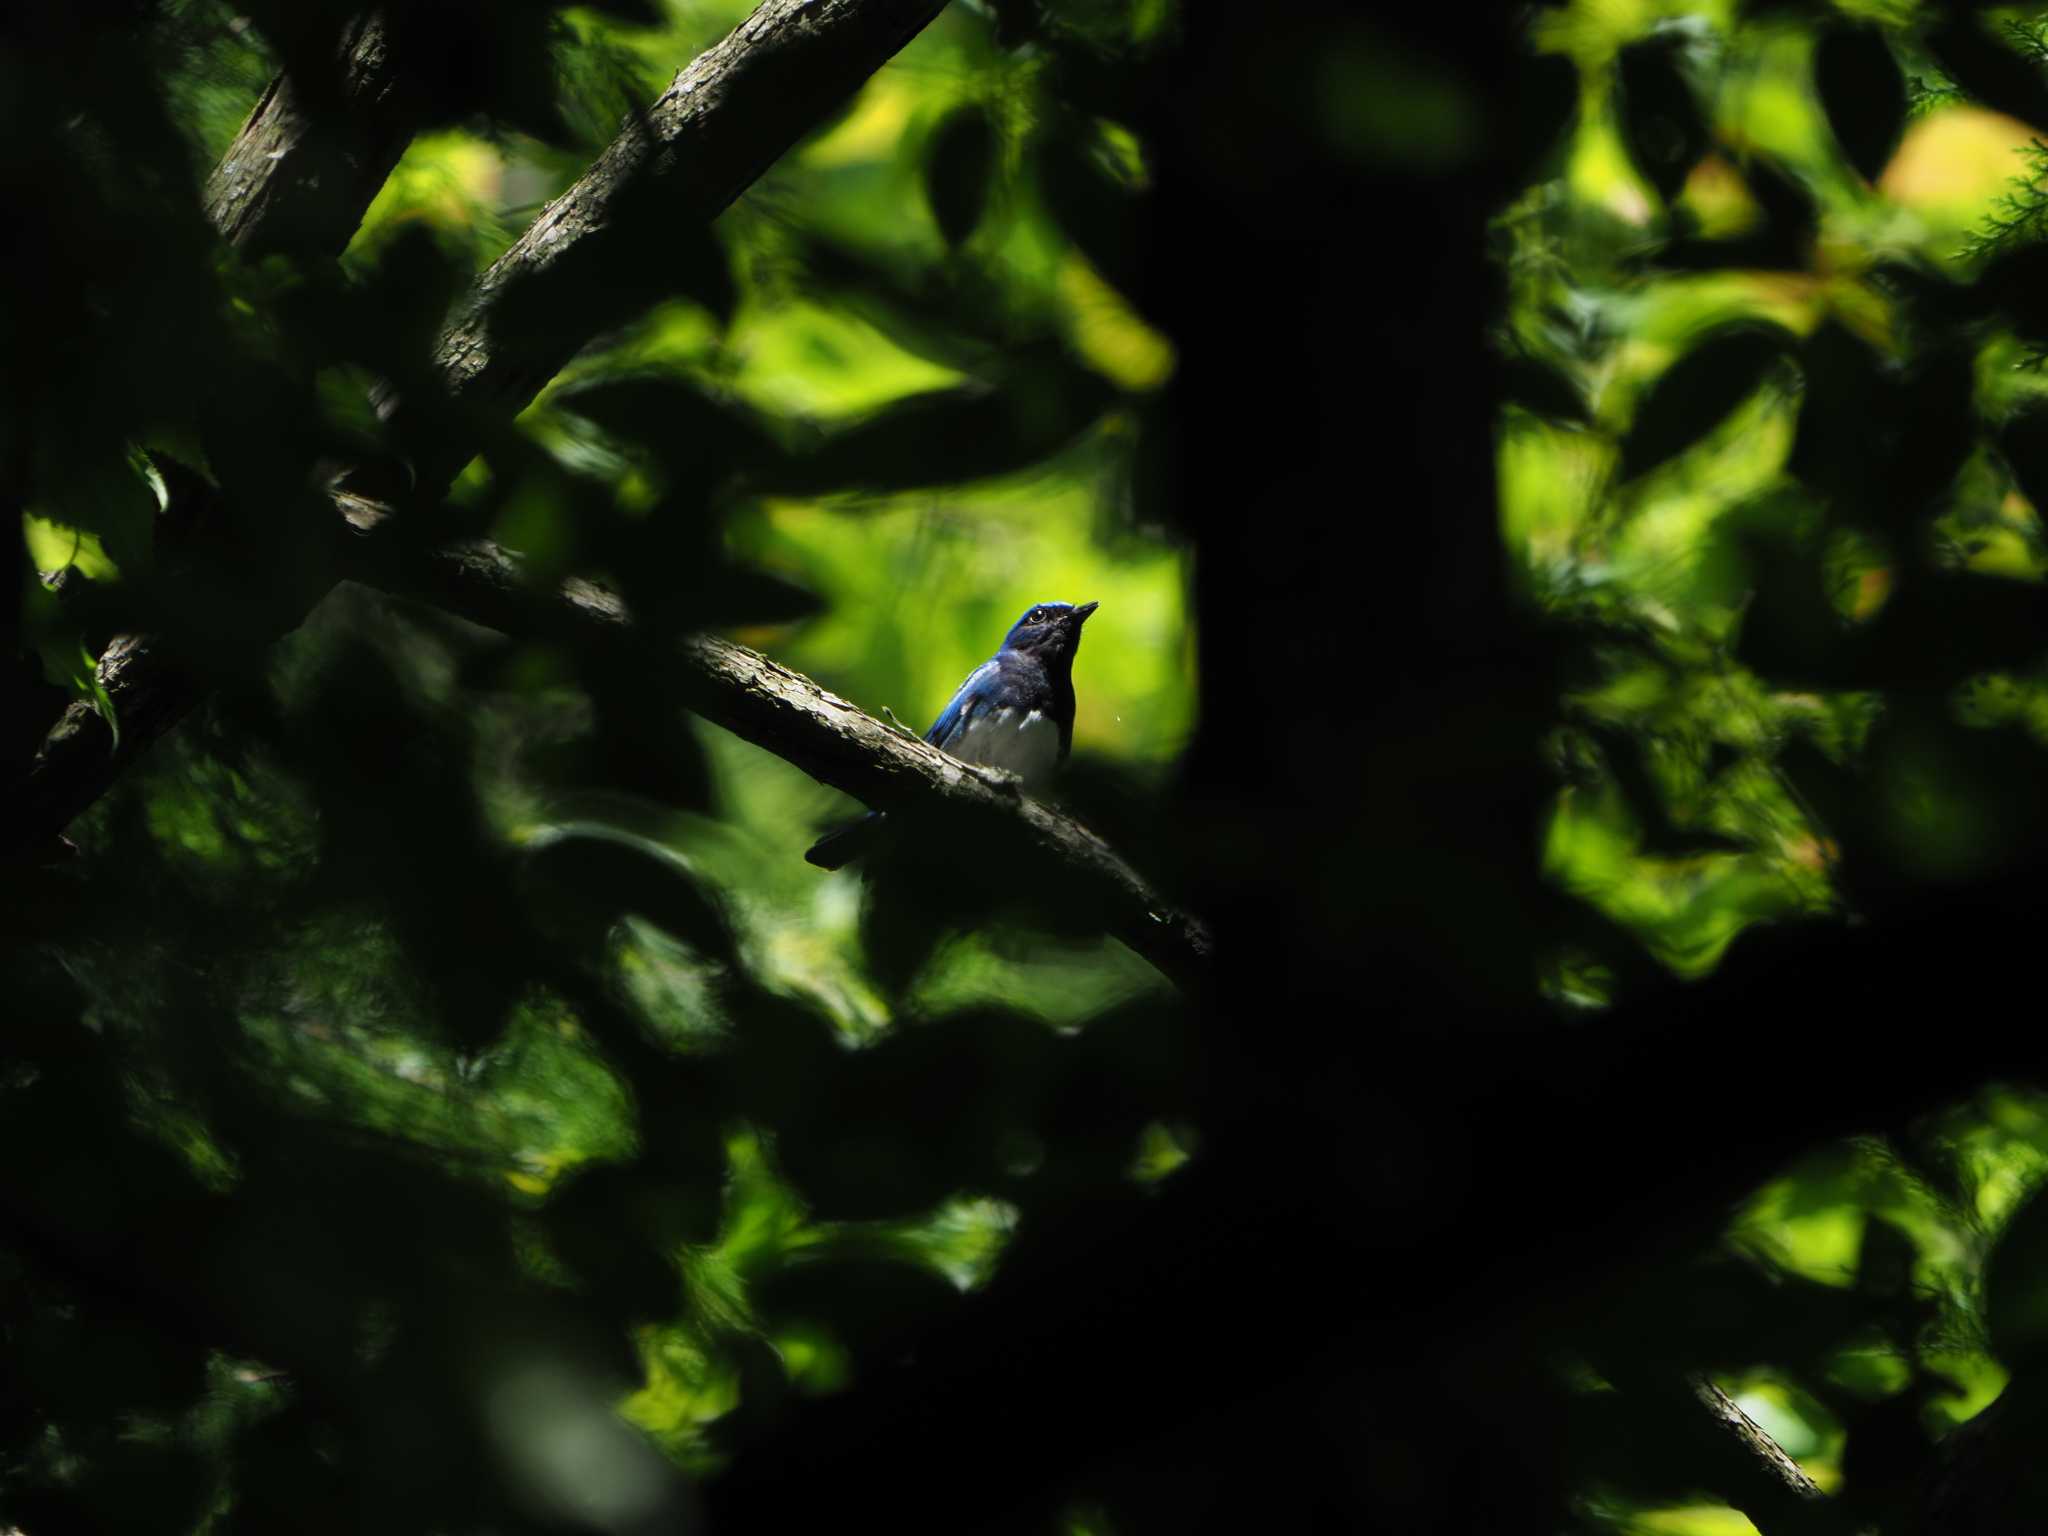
(952, 721)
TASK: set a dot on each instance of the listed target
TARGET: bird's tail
(842, 845)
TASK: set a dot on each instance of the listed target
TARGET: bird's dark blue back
(1015, 711)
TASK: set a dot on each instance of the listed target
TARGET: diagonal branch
(300, 179)
(82, 757)
(600, 252)
(722, 122)
(755, 698)
(837, 744)
(293, 179)
(787, 714)
(1760, 1479)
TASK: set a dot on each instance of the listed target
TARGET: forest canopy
(1513, 1014)
(1770, 451)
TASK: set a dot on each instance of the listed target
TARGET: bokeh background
(295, 986)
(1773, 381)
(1562, 495)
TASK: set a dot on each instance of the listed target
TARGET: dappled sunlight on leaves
(1685, 484)
(1769, 469)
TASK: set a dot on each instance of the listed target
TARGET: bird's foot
(999, 779)
(889, 719)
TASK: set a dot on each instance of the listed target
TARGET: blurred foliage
(1771, 387)
(439, 1097)
(438, 1078)
(1772, 348)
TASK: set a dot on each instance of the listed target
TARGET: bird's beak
(1081, 613)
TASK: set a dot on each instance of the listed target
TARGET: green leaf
(1660, 117)
(1693, 396)
(1863, 92)
(959, 164)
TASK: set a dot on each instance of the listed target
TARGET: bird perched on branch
(1015, 711)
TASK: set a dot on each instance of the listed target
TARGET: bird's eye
(1037, 616)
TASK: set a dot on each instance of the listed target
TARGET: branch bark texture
(835, 742)
(722, 121)
(720, 124)
(83, 755)
(300, 179)
(294, 179)
(1766, 1484)
(841, 745)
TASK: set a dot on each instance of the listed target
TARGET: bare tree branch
(1774, 1490)
(301, 179)
(840, 745)
(834, 741)
(82, 755)
(293, 179)
(1783, 1469)
(721, 123)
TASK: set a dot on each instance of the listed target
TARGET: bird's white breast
(1027, 743)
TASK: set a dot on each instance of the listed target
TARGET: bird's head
(1049, 630)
